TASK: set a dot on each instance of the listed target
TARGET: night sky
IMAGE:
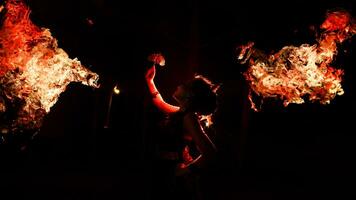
(297, 152)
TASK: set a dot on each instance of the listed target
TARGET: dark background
(298, 152)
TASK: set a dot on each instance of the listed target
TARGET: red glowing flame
(34, 71)
(297, 72)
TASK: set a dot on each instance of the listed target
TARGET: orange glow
(294, 73)
(157, 59)
(206, 120)
(116, 90)
(34, 71)
(187, 158)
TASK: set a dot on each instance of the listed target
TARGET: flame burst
(33, 70)
(296, 72)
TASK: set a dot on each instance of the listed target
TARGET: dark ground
(299, 152)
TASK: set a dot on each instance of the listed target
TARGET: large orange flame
(297, 72)
(34, 71)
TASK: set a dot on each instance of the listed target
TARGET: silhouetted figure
(182, 148)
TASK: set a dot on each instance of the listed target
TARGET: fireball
(297, 73)
(34, 71)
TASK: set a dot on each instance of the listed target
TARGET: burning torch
(157, 59)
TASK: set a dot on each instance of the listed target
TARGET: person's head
(197, 95)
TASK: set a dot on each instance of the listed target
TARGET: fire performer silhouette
(180, 133)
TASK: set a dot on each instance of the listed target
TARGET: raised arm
(157, 99)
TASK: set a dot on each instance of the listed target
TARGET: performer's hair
(203, 95)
